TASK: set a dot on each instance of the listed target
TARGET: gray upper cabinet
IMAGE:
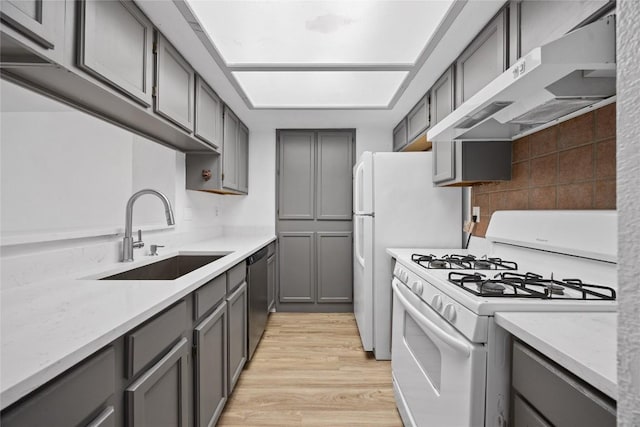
(174, 90)
(32, 31)
(418, 119)
(237, 333)
(70, 399)
(335, 273)
(115, 44)
(34, 18)
(208, 115)
(243, 158)
(483, 60)
(297, 158)
(230, 151)
(469, 162)
(210, 367)
(159, 396)
(334, 161)
(442, 97)
(400, 137)
(535, 23)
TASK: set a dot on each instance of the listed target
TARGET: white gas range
(450, 361)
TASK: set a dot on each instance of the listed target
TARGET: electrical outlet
(476, 212)
(217, 211)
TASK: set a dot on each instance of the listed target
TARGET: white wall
(628, 202)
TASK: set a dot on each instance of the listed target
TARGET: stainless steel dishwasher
(258, 302)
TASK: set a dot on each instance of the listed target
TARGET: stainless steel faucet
(127, 243)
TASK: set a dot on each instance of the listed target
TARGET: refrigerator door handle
(357, 188)
(358, 232)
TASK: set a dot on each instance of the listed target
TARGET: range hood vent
(550, 82)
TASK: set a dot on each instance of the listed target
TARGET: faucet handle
(139, 243)
(153, 249)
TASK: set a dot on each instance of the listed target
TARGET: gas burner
(529, 285)
(462, 262)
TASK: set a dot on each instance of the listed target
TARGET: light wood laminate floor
(310, 370)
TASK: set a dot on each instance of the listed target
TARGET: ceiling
(321, 54)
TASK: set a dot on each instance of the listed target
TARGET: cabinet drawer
(149, 341)
(71, 399)
(560, 397)
(236, 276)
(209, 295)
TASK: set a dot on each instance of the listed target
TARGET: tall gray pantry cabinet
(314, 208)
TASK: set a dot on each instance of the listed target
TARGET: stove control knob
(436, 302)
(450, 313)
(417, 287)
(404, 276)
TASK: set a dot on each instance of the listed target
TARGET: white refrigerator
(395, 204)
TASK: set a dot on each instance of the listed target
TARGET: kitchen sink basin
(167, 269)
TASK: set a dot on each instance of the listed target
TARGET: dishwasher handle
(257, 256)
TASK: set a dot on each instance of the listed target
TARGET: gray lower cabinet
(297, 274)
(115, 44)
(335, 267)
(418, 119)
(271, 281)
(442, 96)
(237, 332)
(483, 60)
(400, 136)
(545, 394)
(210, 367)
(208, 114)
(468, 162)
(159, 396)
(175, 83)
(79, 397)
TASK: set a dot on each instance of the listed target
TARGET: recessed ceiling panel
(273, 32)
(320, 89)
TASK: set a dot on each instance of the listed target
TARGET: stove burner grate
(462, 262)
(529, 285)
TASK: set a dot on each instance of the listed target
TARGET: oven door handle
(453, 342)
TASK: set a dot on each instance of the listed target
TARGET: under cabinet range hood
(552, 81)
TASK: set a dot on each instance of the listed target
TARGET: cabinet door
(69, 399)
(210, 364)
(334, 162)
(237, 332)
(483, 60)
(230, 151)
(297, 159)
(34, 18)
(107, 418)
(297, 274)
(442, 97)
(418, 118)
(243, 158)
(443, 161)
(543, 21)
(400, 135)
(208, 116)
(175, 81)
(335, 266)
(271, 281)
(115, 45)
(159, 396)
(526, 416)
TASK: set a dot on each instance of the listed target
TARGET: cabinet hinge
(154, 91)
(223, 176)
(155, 47)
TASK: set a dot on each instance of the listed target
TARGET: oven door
(439, 375)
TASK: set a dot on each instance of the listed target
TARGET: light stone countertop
(582, 343)
(48, 327)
